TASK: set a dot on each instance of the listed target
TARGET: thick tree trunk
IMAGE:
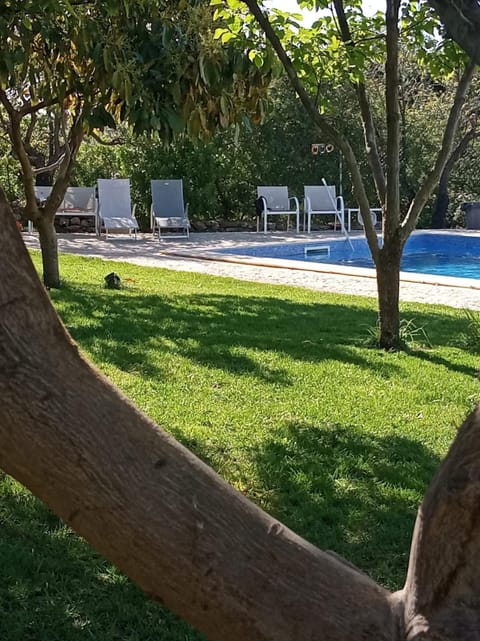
(185, 536)
(49, 246)
(388, 284)
(146, 503)
(442, 591)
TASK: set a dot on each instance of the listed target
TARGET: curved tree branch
(442, 591)
(150, 506)
(185, 536)
(18, 147)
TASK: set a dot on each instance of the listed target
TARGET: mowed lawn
(275, 389)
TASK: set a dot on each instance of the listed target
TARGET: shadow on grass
(55, 587)
(122, 327)
(435, 359)
(353, 493)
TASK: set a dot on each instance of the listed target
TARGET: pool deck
(195, 255)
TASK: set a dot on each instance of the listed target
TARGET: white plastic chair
(168, 211)
(79, 199)
(322, 200)
(115, 211)
(275, 201)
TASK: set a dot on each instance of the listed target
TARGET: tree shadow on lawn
(354, 493)
(435, 359)
(54, 586)
(128, 330)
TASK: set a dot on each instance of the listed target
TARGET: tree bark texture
(184, 535)
(388, 286)
(146, 503)
(461, 19)
(442, 591)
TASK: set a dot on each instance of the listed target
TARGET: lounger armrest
(307, 204)
(133, 210)
(297, 204)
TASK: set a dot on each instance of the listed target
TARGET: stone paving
(194, 255)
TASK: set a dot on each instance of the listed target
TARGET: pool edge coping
(325, 268)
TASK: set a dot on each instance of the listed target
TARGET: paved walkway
(194, 255)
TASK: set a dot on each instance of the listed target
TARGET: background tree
(440, 210)
(339, 46)
(151, 64)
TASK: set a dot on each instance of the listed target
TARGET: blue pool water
(453, 254)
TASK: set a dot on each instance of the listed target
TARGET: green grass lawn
(273, 387)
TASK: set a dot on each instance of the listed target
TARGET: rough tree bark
(388, 286)
(461, 19)
(49, 246)
(185, 536)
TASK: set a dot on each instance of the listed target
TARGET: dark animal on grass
(113, 281)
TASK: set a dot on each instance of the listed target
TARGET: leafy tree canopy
(342, 45)
(151, 63)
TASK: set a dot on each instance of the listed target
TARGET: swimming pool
(443, 253)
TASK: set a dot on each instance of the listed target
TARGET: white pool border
(328, 268)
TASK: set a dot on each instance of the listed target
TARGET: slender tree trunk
(388, 285)
(49, 247)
